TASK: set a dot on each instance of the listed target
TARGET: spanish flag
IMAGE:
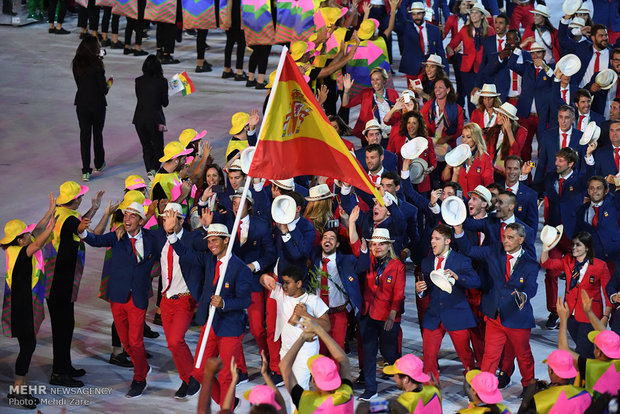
(296, 137)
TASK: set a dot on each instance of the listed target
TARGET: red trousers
(521, 15)
(531, 124)
(271, 313)
(551, 276)
(338, 331)
(431, 343)
(496, 336)
(225, 347)
(176, 316)
(508, 359)
(129, 321)
(477, 341)
(256, 317)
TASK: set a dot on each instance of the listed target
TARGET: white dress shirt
(603, 63)
(336, 297)
(424, 34)
(177, 285)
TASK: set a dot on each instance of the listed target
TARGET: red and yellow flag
(297, 138)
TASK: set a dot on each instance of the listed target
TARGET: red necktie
(564, 95)
(515, 81)
(595, 218)
(509, 189)
(501, 232)
(239, 233)
(508, 258)
(428, 3)
(422, 40)
(499, 45)
(564, 140)
(439, 261)
(324, 282)
(170, 267)
(560, 185)
(537, 71)
(580, 121)
(617, 156)
(216, 277)
(597, 61)
(133, 244)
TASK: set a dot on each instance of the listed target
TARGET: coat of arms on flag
(181, 83)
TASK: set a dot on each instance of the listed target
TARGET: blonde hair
(319, 212)
(476, 134)
(484, 26)
(382, 71)
(391, 252)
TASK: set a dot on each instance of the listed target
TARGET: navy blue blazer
(236, 289)
(583, 50)
(451, 309)
(410, 213)
(426, 219)
(605, 162)
(594, 116)
(498, 298)
(412, 58)
(532, 87)
(127, 275)
(549, 146)
(263, 200)
(491, 226)
(258, 247)
(563, 210)
(349, 267)
(494, 70)
(390, 160)
(557, 101)
(606, 235)
(297, 250)
(527, 207)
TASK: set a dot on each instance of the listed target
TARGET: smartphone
(406, 97)
(218, 189)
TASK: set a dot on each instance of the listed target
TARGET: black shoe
(149, 333)
(203, 68)
(77, 373)
(82, 35)
(191, 32)
(504, 380)
(157, 319)
(193, 386)
(242, 77)
(242, 378)
(22, 401)
(51, 30)
(181, 393)
(261, 85)
(140, 52)
(552, 321)
(227, 75)
(122, 360)
(106, 43)
(148, 355)
(136, 389)
(360, 382)
(127, 51)
(250, 83)
(277, 379)
(65, 380)
(61, 31)
(169, 60)
(368, 395)
(207, 47)
(117, 45)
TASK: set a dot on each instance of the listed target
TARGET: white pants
(300, 365)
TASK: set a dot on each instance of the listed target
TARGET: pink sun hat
(409, 365)
(561, 362)
(485, 384)
(262, 394)
(607, 341)
(325, 372)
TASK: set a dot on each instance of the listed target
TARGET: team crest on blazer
(388, 280)
(570, 188)
(591, 280)
(226, 286)
(606, 214)
(350, 278)
(478, 170)
(254, 243)
(520, 208)
(520, 280)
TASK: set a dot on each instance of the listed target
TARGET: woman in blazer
(375, 102)
(90, 102)
(584, 273)
(148, 118)
(505, 138)
(471, 36)
(454, 24)
(478, 169)
(542, 31)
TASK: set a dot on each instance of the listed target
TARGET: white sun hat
(458, 155)
(453, 211)
(414, 148)
(283, 209)
(550, 236)
(442, 280)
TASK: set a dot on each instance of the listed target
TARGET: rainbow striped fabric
(128, 8)
(257, 22)
(199, 14)
(369, 55)
(164, 11)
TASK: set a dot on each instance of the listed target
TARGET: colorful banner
(128, 8)
(104, 3)
(285, 23)
(297, 129)
(164, 11)
(199, 14)
(304, 19)
(257, 22)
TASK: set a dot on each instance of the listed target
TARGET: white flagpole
(231, 242)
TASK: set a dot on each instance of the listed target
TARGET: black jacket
(152, 94)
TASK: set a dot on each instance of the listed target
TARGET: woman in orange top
(586, 273)
(478, 169)
(472, 36)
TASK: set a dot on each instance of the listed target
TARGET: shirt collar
(567, 176)
(509, 220)
(294, 223)
(137, 236)
(517, 253)
(331, 257)
(514, 188)
(246, 219)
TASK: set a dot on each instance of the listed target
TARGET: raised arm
(335, 351)
(42, 224)
(563, 313)
(42, 237)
